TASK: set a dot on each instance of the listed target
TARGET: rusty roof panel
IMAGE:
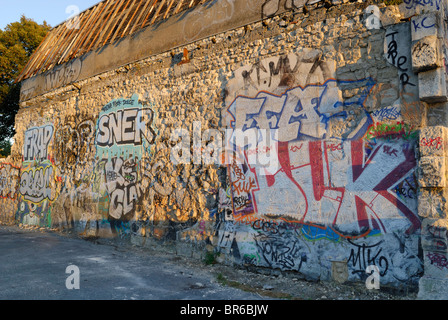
(101, 24)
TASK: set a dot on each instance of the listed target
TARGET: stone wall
(343, 166)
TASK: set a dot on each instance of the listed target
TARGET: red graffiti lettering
(435, 143)
(438, 260)
(334, 147)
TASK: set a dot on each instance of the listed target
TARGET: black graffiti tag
(398, 60)
(364, 255)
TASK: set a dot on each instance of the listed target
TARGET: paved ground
(34, 265)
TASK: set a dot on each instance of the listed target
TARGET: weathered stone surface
(432, 203)
(339, 271)
(426, 54)
(435, 235)
(433, 288)
(411, 8)
(432, 85)
(425, 25)
(390, 15)
(347, 111)
(432, 172)
(433, 141)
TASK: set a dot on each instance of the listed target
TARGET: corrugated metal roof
(100, 25)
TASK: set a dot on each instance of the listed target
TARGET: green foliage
(5, 148)
(210, 258)
(9, 106)
(393, 2)
(17, 43)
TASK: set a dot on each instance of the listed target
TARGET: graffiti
(124, 136)
(27, 90)
(206, 16)
(296, 113)
(225, 200)
(64, 74)
(422, 24)
(38, 181)
(388, 113)
(411, 4)
(121, 185)
(271, 7)
(37, 191)
(30, 213)
(334, 147)
(433, 143)
(35, 183)
(9, 180)
(407, 188)
(437, 259)
(125, 121)
(267, 226)
(285, 245)
(398, 53)
(257, 150)
(74, 140)
(437, 239)
(313, 233)
(128, 126)
(281, 252)
(36, 143)
(309, 181)
(226, 235)
(293, 106)
(239, 181)
(364, 255)
(332, 188)
(242, 181)
(399, 61)
(391, 131)
(341, 198)
(160, 174)
(241, 201)
(284, 72)
(437, 232)
(296, 148)
(390, 151)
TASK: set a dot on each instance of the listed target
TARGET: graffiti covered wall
(327, 172)
(335, 194)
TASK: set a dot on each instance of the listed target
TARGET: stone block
(138, 240)
(434, 235)
(432, 86)
(184, 249)
(433, 141)
(390, 15)
(409, 9)
(339, 271)
(432, 289)
(432, 203)
(432, 172)
(424, 25)
(426, 54)
(436, 264)
(437, 114)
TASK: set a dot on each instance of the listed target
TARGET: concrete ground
(34, 265)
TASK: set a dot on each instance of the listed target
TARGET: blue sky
(52, 11)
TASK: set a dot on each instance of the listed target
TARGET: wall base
(432, 289)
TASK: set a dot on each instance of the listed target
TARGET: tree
(17, 43)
